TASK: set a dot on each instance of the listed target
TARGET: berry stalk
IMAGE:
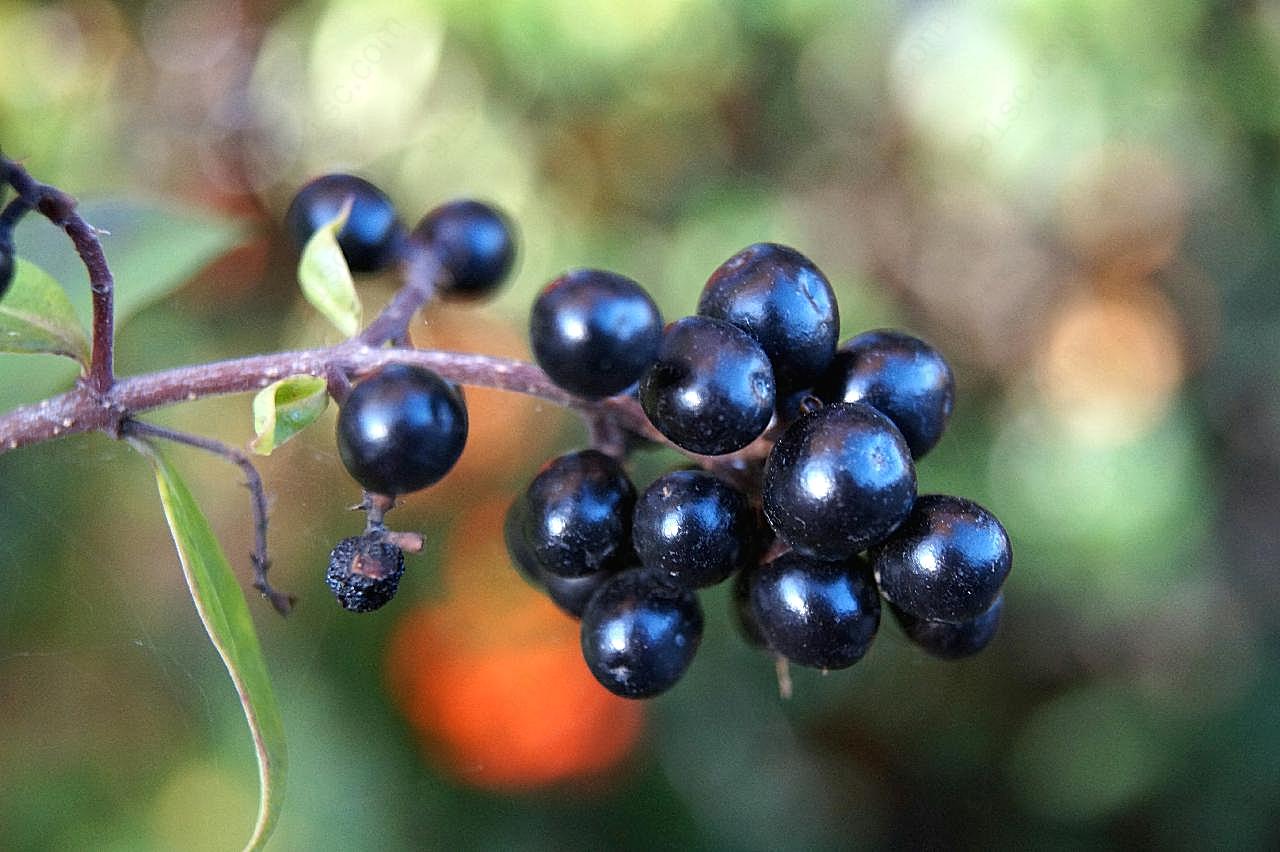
(258, 496)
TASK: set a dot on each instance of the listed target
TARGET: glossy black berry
(474, 242)
(639, 634)
(594, 332)
(795, 404)
(815, 613)
(838, 480)
(946, 562)
(401, 429)
(7, 266)
(578, 514)
(711, 388)
(783, 301)
(371, 237)
(693, 527)
(949, 641)
(515, 536)
(902, 377)
(364, 572)
(571, 594)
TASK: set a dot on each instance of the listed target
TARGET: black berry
(594, 332)
(838, 480)
(474, 242)
(782, 300)
(902, 377)
(946, 562)
(571, 594)
(578, 514)
(516, 538)
(815, 613)
(795, 404)
(364, 572)
(371, 236)
(950, 641)
(639, 634)
(693, 527)
(711, 388)
(401, 429)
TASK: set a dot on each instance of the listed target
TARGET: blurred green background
(1077, 201)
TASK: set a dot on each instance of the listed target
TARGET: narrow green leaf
(284, 409)
(37, 316)
(221, 606)
(326, 279)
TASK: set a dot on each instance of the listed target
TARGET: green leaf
(36, 316)
(221, 606)
(284, 409)
(152, 248)
(326, 279)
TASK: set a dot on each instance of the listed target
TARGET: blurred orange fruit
(492, 679)
(1112, 363)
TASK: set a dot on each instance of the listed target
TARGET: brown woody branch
(60, 209)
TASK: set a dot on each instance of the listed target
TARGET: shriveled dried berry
(364, 572)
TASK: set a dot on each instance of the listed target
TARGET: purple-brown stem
(60, 209)
(79, 410)
(258, 498)
(420, 269)
(9, 219)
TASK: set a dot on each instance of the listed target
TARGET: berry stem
(376, 507)
(420, 269)
(782, 670)
(338, 384)
(258, 498)
(606, 435)
(60, 209)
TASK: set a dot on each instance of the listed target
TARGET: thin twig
(337, 384)
(604, 434)
(258, 498)
(60, 209)
(76, 411)
(9, 219)
(420, 269)
(782, 669)
(376, 506)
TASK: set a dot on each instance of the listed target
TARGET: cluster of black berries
(804, 487)
(808, 494)
(401, 428)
